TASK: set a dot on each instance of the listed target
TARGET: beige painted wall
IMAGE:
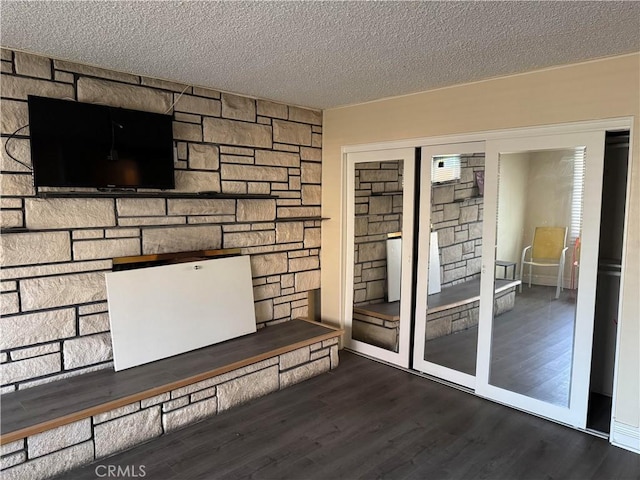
(512, 195)
(550, 191)
(535, 190)
(594, 90)
(549, 198)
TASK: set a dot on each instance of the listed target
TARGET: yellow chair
(548, 249)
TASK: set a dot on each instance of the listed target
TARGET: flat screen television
(77, 144)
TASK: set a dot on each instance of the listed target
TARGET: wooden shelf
(158, 259)
(279, 220)
(128, 194)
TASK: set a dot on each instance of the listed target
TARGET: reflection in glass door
(535, 349)
(449, 261)
(538, 233)
(379, 214)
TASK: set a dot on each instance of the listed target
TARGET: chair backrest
(548, 242)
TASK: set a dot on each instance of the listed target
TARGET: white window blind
(445, 168)
(578, 192)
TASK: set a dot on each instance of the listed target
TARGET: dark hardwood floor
(457, 351)
(532, 346)
(369, 420)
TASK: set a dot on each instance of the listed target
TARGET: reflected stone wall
(378, 212)
(456, 214)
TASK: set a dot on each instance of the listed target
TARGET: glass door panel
(536, 347)
(449, 261)
(538, 234)
(379, 249)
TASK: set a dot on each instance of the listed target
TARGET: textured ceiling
(322, 54)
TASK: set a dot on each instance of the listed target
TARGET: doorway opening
(614, 188)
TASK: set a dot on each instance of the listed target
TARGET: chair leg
(530, 273)
(521, 273)
(559, 286)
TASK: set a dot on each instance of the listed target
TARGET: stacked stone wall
(54, 451)
(452, 320)
(456, 214)
(55, 251)
(378, 212)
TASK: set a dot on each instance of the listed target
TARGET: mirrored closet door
(378, 249)
(535, 339)
(498, 293)
(449, 261)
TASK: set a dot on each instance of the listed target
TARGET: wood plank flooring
(532, 346)
(369, 420)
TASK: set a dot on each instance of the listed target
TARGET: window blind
(578, 192)
(445, 168)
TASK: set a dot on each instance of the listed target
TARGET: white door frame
(576, 412)
(424, 237)
(407, 155)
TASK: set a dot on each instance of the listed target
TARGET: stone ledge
(302, 332)
(148, 414)
(455, 309)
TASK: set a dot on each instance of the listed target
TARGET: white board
(157, 312)
(433, 286)
(394, 268)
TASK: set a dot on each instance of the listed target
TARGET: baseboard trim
(625, 436)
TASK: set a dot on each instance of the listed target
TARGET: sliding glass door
(535, 340)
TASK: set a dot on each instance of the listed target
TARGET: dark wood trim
(127, 194)
(384, 311)
(299, 219)
(163, 257)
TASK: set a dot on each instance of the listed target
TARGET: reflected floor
(532, 346)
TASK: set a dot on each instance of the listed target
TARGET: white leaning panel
(394, 268)
(434, 285)
(157, 312)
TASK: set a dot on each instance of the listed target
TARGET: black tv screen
(77, 144)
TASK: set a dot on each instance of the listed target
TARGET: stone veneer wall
(456, 214)
(55, 318)
(378, 211)
(54, 451)
(452, 320)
